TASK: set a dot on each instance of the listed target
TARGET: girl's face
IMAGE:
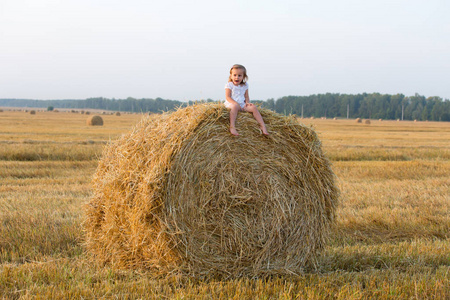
(237, 75)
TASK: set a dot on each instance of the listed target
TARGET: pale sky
(183, 50)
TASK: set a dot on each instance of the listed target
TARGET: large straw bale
(179, 193)
(367, 121)
(94, 120)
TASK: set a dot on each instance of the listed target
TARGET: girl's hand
(248, 104)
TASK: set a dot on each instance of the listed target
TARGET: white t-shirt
(237, 92)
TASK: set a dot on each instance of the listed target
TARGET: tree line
(330, 105)
(369, 106)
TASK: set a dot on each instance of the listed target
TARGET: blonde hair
(244, 80)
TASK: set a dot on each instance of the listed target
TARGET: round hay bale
(196, 199)
(381, 120)
(87, 112)
(367, 122)
(117, 114)
(32, 112)
(358, 120)
(94, 120)
(334, 118)
(312, 118)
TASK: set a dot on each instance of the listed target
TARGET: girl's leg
(233, 115)
(257, 115)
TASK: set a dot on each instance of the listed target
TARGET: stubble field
(392, 238)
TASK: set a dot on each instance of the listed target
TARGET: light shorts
(228, 104)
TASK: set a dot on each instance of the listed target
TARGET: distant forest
(369, 106)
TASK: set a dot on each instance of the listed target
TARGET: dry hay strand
(94, 120)
(117, 113)
(32, 112)
(367, 122)
(179, 193)
(358, 120)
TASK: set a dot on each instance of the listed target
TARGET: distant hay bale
(335, 118)
(87, 112)
(195, 199)
(380, 120)
(32, 112)
(367, 122)
(415, 121)
(94, 120)
(312, 118)
(398, 120)
(358, 120)
(1, 110)
(117, 113)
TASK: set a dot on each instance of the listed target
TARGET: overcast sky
(183, 50)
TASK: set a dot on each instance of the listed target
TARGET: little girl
(237, 99)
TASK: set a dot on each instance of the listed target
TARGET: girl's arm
(247, 98)
(228, 96)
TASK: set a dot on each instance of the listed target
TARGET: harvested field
(391, 238)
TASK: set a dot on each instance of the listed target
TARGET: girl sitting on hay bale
(237, 99)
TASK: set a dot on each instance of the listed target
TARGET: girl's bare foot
(234, 131)
(264, 130)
